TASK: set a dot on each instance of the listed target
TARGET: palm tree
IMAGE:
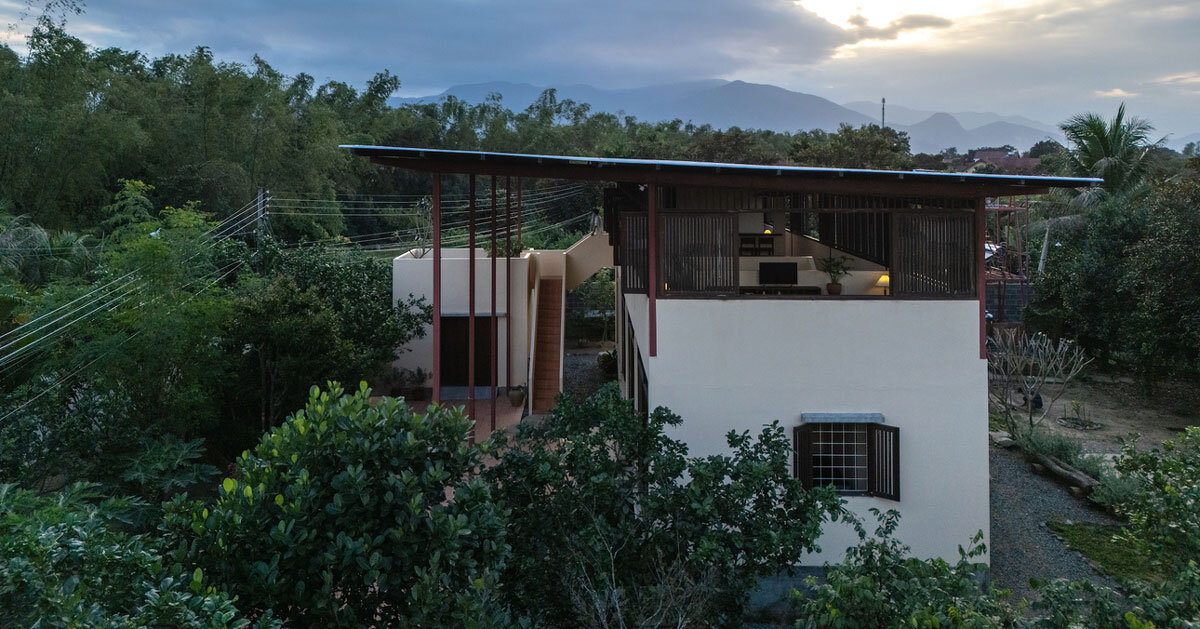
(34, 256)
(1117, 150)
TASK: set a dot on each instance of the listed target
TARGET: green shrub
(613, 525)
(348, 515)
(67, 563)
(1164, 508)
(879, 584)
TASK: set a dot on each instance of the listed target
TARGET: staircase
(548, 353)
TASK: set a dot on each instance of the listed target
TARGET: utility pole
(883, 112)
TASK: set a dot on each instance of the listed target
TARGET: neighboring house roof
(676, 172)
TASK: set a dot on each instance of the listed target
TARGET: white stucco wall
(411, 275)
(738, 364)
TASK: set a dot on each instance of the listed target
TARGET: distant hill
(901, 115)
(724, 104)
(1180, 142)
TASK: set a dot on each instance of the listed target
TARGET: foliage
(598, 293)
(163, 466)
(868, 146)
(879, 584)
(1116, 150)
(68, 564)
(834, 266)
(1162, 512)
(644, 535)
(314, 314)
(348, 515)
(1163, 329)
(53, 436)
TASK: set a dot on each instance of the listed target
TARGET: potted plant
(516, 395)
(835, 268)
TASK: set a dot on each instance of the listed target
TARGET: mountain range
(723, 104)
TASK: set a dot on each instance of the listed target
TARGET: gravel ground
(581, 374)
(1022, 546)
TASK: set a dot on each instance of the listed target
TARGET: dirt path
(1122, 407)
(1022, 546)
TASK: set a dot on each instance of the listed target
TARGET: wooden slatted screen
(862, 234)
(634, 254)
(933, 255)
(698, 253)
(883, 461)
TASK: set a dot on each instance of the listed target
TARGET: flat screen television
(777, 273)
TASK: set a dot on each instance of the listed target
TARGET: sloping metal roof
(472, 161)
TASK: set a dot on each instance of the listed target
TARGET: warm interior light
(766, 231)
(884, 281)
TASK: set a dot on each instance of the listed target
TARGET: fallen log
(1067, 474)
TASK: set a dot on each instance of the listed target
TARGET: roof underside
(684, 173)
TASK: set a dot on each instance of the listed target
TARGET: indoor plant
(835, 268)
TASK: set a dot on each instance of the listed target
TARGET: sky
(1045, 59)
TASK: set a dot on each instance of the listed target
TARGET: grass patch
(1118, 559)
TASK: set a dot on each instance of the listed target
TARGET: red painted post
(508, 285)
(437, 287)
(652, 264)
(495, 330)
(471, 301)
(980, 277)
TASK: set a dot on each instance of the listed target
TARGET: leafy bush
(56, 436)
(348, 515)
(879, 585)
(67, 563)
(613, 525)
(1164, 509)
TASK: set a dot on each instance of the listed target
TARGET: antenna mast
(883, 112)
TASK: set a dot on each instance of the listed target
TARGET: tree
(868, 146)
(314, 314)
(1116, 150)
(642, 534)
(1043, 148)
(1163, 333)
(69, 563)
(350, 514)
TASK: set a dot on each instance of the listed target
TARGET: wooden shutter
(883, 461)
(802, 455)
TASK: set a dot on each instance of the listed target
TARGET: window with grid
(857, 458)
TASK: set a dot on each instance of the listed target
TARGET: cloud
(1185, 78)
(1115, 92)
(861, 30)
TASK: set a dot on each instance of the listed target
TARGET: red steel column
(471, 300)
(980, 278)
(508, 318)
(495, 331)
(652, 263)
(437, 287)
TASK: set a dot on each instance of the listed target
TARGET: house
(725, 317)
